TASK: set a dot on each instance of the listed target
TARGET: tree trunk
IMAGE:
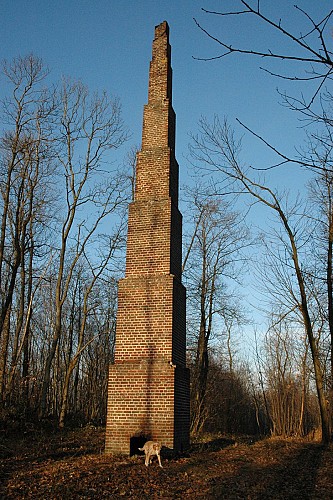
(48, 365)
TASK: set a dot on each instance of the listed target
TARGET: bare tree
(321, 195)
(306, 47)
(217, 148)
(213, 250)
(112, 244)
(131, 163)
(308, 42)
(25, 170)
(287, 380)
(88, 129)
(93, 378)
(62, 205)
(230, 402)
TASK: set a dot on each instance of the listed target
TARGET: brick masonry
(148, 395)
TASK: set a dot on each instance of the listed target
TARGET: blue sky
(107, 44)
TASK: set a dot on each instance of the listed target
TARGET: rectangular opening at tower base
(137, 442)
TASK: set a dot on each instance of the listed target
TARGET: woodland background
(62, 249)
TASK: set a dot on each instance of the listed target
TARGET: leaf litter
(72, 465)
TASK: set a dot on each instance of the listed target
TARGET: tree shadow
(219, 443)
(291, 478)
(216, 444)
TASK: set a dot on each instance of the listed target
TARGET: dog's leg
(159, 459)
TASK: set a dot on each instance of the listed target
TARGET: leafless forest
(62, 246)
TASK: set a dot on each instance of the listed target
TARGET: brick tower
(148, 395)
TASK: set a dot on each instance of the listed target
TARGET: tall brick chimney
(148, 395)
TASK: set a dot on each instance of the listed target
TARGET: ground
(72, 465)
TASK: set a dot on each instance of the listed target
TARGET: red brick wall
(142, 399)
(149, 383)
(145, 319)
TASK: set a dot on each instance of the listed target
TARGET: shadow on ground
(219, 468)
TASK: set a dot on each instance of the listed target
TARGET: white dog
(152, 448)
